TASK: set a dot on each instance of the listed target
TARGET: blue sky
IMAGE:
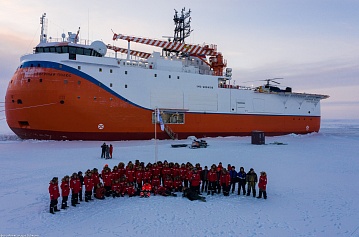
(313, 44)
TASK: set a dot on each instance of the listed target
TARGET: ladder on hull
(173, 135)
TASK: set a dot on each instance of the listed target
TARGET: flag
(159, 119)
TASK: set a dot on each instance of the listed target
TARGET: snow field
(312, 188)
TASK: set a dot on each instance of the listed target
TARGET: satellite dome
(100, 47)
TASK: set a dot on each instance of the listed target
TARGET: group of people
(159, 178)
(106, 151)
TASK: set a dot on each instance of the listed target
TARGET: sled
(179, 145)
(199, 144)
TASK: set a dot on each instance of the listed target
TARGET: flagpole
(156, 148)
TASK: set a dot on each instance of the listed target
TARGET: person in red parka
(183, 174)
(88, 181)
(139, 177)
(225, 182)
(156, 182)
(65, 191)
(175, 170)
(100, 191)
(146, 190)
(107, 180)
(111, 150)
(116, 188)
(130, 190)
(177, 184)
(168, 183)
(121, 169)
(262, 185)
(212, 179)
(130, 173)
(115, 173)
(96, 179)
(54, 195)
(195, 180)
(75, 186)
(147, 175)
(166, 170)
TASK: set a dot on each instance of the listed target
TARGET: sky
(313, 45)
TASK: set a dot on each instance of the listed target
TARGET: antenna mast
(182, 25)
(43, 23)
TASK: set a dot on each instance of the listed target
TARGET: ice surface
(312, 187)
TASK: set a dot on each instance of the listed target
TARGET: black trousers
(242, 185)
(64, 202)
(88, 195)
(108, 191)
(195, 188)
(226, 189)
(212, 187)
(80, 195)
(233, 184)
(204, 185)
(74, 199)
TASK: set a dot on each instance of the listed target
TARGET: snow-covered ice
(312, 187)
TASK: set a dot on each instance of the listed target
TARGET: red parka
(225, 179)
(107, 178)
(100, 192)
(168, 183)
(116, 187)
(116, 174)
(65, 188)
(96, 178)
(156, 171)
(130, 190)
(54, 190)
(130, 175)
(177, 184)
(139, 176)
(195, 179)
(75, 185)
(183, 173)
(212, 176)
(156, 182)
(147, 175)
(262, 184)
(88, 181)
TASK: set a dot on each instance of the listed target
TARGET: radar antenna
(43, 23)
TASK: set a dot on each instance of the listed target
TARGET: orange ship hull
(49, 103)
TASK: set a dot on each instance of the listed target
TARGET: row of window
(68, 49)
(111, 71)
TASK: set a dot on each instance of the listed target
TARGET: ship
(69, 90)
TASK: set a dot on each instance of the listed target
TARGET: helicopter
(271, 87)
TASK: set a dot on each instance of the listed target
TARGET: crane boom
(132, 52)
(209, 50)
